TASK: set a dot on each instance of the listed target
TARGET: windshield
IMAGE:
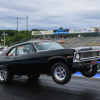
(47, 46)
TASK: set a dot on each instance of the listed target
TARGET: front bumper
(83, 64)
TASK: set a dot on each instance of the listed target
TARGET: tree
(61, 28)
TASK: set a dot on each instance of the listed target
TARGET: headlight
(77, 56)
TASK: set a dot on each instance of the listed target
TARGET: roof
(32, 42)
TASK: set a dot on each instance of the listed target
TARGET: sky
(49, 14)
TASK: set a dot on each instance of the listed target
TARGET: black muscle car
(47, 57)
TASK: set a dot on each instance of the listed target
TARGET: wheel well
(55, 60)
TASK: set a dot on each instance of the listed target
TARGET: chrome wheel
(89, 70)
(59, 73)
(3, 75)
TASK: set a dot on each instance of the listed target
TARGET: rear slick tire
(5, 76)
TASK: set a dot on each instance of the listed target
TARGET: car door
(24, 60)
(9, 59)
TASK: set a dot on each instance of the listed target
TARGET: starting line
(79, 74)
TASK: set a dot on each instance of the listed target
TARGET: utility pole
(17, 23)
(4, 37)
(26, 23)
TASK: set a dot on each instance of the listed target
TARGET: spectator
(48, 37)
(79, 36)
(6, 47)
(38, 37)
(60, 37)
(62, 40)
(56, 37)
(82, 36)
(43, 37)
(65, 36)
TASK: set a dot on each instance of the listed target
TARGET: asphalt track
(79, 88)
(96, 76)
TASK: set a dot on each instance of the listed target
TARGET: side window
(25, 49)
(12, 52)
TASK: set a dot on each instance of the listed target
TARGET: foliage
(61, 28)
(15, 36)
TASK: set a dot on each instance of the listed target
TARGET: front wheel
(90, 71)
(60, 72)
(5, 76)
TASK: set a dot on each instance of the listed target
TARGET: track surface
(79, 88)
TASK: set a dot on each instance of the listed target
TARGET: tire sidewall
(9, 76)
(93, 72)
(68, 73)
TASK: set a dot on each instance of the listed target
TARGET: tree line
(14, 35)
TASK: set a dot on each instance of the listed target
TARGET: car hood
(79, 49)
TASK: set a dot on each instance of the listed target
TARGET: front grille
(89, 54)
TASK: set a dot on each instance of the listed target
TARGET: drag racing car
(47, 57)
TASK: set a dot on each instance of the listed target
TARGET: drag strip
(79, 88)
(79, 74)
